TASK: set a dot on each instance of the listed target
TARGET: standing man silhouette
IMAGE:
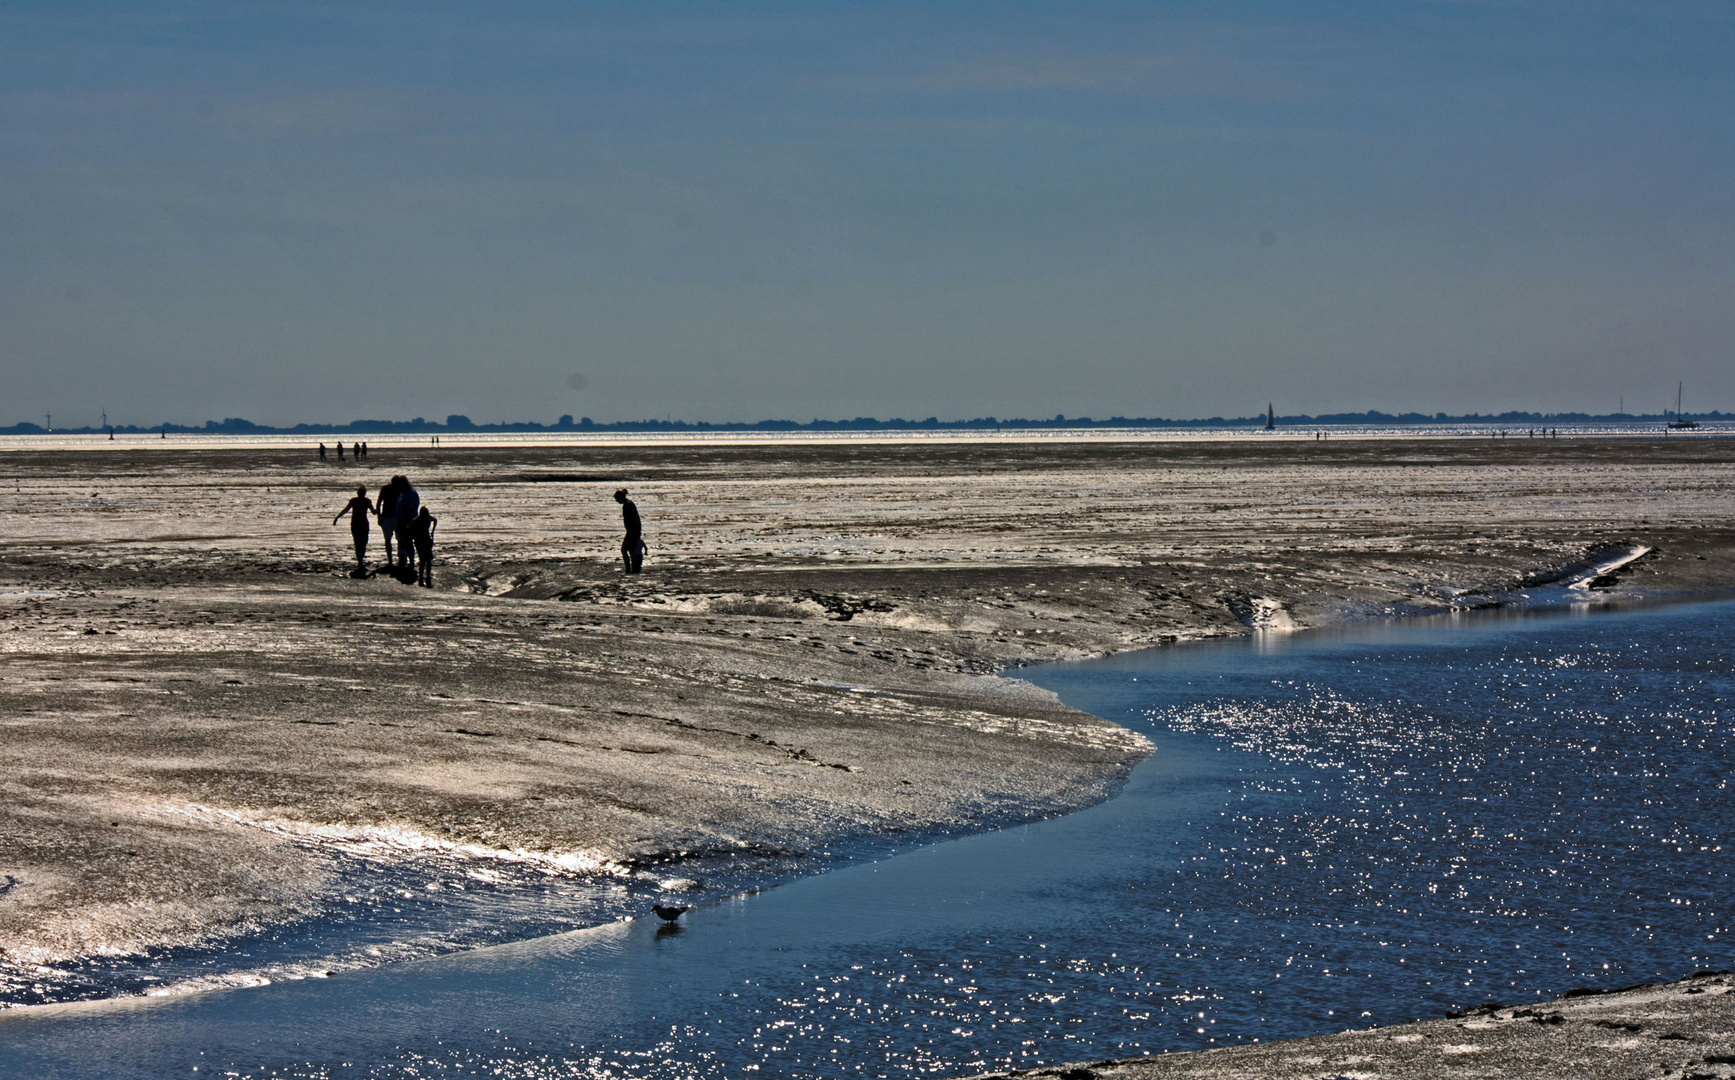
(408, 503)
(633, 546)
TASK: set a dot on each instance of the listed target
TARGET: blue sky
(738, 211)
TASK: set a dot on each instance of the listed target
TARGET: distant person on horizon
(408, 503)
(422, 534)
(321, 445)
(633, 545)
(363, 450)
(358, 509)
(340, 450)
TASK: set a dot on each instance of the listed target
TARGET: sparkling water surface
(1335, 831)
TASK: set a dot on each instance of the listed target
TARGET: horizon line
(458, 422)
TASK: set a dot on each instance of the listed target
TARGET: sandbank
(1684, 1029)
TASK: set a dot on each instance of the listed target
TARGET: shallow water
(1334, 831)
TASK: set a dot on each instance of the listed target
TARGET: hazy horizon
(458, 423)
(302, 213)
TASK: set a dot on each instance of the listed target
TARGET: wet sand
(200, 706)
(1684, 1030)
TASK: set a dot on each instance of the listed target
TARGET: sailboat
(1680, 423)
(1270, 417)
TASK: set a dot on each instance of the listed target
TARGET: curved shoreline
(1677, 1027)
(820, 627)
(710, 922)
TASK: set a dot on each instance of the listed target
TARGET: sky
(736, 211)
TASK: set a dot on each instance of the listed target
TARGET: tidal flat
(209, 723)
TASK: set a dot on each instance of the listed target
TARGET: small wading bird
(669, 913)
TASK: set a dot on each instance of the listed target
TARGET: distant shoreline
(455, 424)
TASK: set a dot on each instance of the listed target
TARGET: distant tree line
(235, 425)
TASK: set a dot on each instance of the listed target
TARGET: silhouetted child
(358, 509)
(422, 535)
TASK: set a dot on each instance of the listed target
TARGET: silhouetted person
(388, 513)
(340, 450)
(363, 450)
(408, 503)
(321, 445)
(358, 509)
(422, 534)
(633, 545)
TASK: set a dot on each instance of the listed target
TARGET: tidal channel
(1336, 830)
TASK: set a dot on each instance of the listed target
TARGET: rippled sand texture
(204, 714)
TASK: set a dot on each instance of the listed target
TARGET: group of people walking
(359, 451)
(400, 514)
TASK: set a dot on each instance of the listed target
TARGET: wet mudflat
(1333, 832)
(212, 733)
